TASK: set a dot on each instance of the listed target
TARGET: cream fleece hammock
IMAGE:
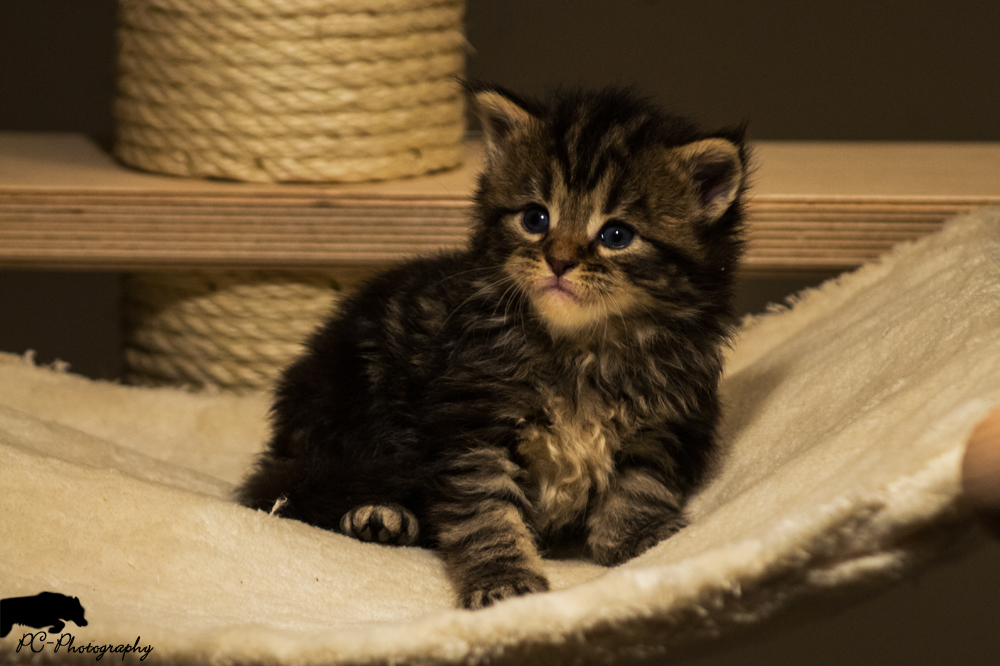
(846, 420)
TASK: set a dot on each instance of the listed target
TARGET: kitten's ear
(500, 116)
(716, 170)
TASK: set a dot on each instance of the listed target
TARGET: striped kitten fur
(553, 383)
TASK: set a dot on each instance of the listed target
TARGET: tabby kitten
(556, 379)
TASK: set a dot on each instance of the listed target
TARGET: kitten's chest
(570, 453)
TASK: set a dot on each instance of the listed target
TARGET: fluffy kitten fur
(555, 380)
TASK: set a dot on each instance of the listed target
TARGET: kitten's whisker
(482, 290)
(628, 344)
(478, 292)
(621, 315)
(503, 296)
(485, 289)
(507, 307)
(465, 272)
(606, 318)
(521, 304)
(507, 301)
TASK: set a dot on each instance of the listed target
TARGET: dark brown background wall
(832, 70)
(825, 70)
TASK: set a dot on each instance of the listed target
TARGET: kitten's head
(607, 212)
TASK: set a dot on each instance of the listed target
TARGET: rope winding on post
(290, 90)
(272, 91)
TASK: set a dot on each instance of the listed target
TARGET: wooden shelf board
(66, 204)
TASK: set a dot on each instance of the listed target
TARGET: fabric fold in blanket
(846, 418)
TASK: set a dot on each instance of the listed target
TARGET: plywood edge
(65, 204)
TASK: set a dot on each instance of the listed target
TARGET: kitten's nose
(560, 266)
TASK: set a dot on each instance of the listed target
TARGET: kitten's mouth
(559, 288)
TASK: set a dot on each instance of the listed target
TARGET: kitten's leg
(384, 523)
(479, 520)
(633, 515)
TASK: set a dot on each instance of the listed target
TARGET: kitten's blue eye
(535, 220)
(616, 236)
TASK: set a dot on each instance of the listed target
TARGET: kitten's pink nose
(560, 266)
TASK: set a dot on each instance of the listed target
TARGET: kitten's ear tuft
(500, 116)
(716, 170)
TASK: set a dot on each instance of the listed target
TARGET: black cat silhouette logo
(47, 609)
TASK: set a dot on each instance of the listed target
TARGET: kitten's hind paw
(609, 549)
(489, 594)
(384, 523)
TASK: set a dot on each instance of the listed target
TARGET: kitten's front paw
(384, 523)
(490, 593)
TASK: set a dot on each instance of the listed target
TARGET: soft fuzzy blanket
(846, 418)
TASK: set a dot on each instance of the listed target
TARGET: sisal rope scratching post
(290, 90)
(272, 91)
(233, 330)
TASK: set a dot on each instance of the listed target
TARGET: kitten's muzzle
(560, 266)
(559, 285)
